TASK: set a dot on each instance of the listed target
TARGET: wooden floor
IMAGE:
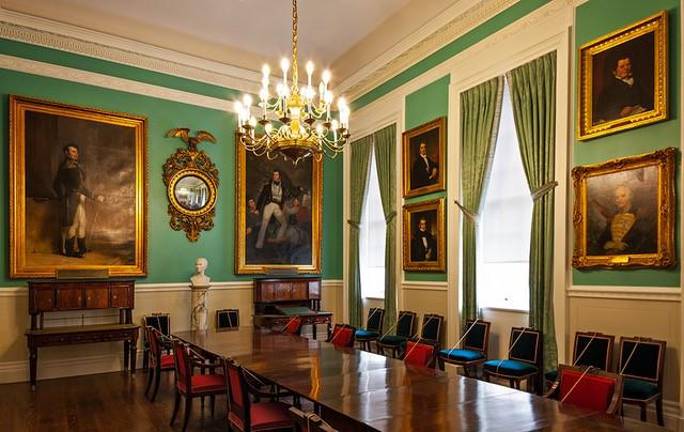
(109, 402)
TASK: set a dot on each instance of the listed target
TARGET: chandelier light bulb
(284, 64)
(237, 106)
(326, 77)
(328, 97)
(266, 70)
(247, 101)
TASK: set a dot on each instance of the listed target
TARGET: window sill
(374, 298)
(503, 309)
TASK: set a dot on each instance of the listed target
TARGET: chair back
(376, 316)
(342, 335)
(406, 323)
(227, 319)
(154, 337)
(309, 422)
(593, 349)
(183, 365)
(238, 396)
(642, 358)
(160, 321)
(477, 337)
(420, 354)
(294, 326)
(589, 387)
(525, 345)
(431, 329)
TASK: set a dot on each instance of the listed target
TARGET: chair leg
(157, 379)
(659, 411)
(440, 362)
(188, 410)
(643, 412)
(212, 401)
(150, 375)
(176, 404)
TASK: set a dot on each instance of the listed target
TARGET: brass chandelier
(294, 124)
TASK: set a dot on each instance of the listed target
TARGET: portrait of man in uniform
(84, 192)
(278, 218)
(624, 211)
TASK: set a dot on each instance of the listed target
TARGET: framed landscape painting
(623, 78)
(77, 190)
(424, 236)
(624, 212)
(277, 214)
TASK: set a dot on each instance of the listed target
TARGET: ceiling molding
(65, 37)
(420, 45)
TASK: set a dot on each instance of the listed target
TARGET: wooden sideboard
(73, 295)
(278, 300)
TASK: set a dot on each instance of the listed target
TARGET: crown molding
(419, 46)
(69, 38)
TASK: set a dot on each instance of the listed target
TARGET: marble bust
(199, 279)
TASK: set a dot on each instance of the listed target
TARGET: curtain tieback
(390, 217)
(542, 190)
(466, 212)
(353, 224)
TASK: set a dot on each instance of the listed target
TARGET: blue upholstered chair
(524, 359)
(473, 351)
(373, 329)
(591, 349)
(642, 362)
(406, 323)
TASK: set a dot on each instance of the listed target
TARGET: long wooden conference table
(367, 391)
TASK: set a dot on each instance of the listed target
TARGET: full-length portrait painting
(278, 214)
(424, 236)
(424, 158)
(623, 78)
(77, 190)
(624, 214)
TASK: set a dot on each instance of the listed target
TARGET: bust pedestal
(199, 316)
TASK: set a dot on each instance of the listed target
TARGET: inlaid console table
(78, 295)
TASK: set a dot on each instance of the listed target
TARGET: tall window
(372, 233)
(504, 246)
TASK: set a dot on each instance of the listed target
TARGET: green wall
(594, 19)
(170, 255)
(421, 106)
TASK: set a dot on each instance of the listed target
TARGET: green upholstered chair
(473, 351)
(524, 361)
(642, 362)
(406, 324)
(373, 330)
(591, 349)
(431, 328)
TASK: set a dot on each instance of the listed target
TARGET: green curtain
(533, 95)
(385, 160)
(360, 159)
(480, 114)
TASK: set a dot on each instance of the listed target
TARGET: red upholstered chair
(294, 326)
(342, 336)
(588, 387)
(245, 415)
(158, 361)
(421, 354)
(192, 386)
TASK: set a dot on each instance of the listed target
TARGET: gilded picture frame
(424, 236)
(623, 78)
(624, 212)
(295, 248)
(424, 158)
(78, 190)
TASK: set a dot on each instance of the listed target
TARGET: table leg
(134, 354)
(33, 360)
(126, 348)
(314, 329)
(329, 329)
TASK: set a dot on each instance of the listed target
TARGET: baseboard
(18, 371)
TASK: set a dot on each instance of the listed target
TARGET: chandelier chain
(295, 77)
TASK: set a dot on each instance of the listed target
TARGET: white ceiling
(327, 28)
